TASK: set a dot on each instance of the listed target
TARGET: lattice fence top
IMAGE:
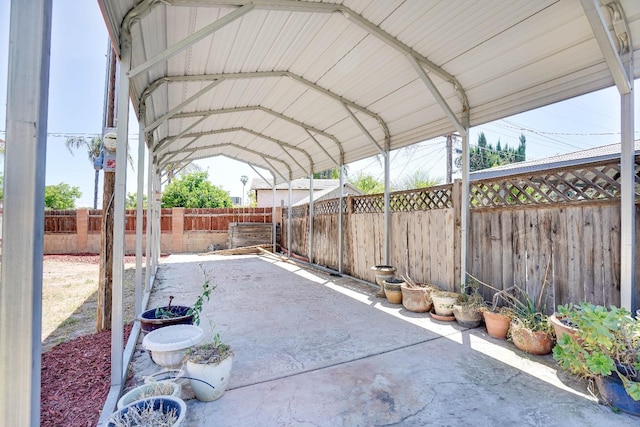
(437, 197)
(588, 182)
(327, 207)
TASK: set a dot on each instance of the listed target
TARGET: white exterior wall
(265, 197)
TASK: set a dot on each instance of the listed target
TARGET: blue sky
(78, 50)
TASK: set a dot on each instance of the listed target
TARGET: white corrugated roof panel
(290, 76)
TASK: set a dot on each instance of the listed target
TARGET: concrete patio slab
(313, 349)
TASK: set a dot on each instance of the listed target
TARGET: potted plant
(176, 314)
(153, 411)
(467, 311)
(530, 328)
(151, 389)
(208, 367)
(393, 290)
(607, 349)
(416, 297)
(443, 302)
(383, 272)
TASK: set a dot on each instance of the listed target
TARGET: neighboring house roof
(296, 184)
(331, 193)
(591, 155)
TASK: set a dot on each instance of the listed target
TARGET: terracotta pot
(469, 317)
(562, 328)
(538, 342)
(417, 300)
(497, 324)
(443, 302)
(393, 290)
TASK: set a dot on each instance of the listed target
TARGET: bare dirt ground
(76, 360)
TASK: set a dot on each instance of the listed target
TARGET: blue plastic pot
(159, 403)
(613, 393)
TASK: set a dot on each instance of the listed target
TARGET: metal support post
(464, 208)
(340, 219)
(387, 209)
(310, 239)
(627, 206)
(23, 225)
(117, 304)
(139, 220)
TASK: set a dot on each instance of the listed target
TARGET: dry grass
(69, 300)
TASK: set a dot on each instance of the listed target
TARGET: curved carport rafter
(266, 74)
(308, 128)
(264, 156)
(281, 144)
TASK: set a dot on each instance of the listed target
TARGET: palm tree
(94, 146)
(174, 169)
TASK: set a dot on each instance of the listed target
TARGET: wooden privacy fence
(182, 230)
(564, 223)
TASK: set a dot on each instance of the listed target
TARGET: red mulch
(76, 377)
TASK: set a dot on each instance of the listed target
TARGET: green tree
(484, 155)
(194, 191)
(331, 173)
(367, 183)
(418, 179)
(132, 201)
(61, 196)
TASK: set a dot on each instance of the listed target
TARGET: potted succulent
(468, 311)
(176, 314)
(208, 368)
(530, 328)
(606, 349)
(443, 302)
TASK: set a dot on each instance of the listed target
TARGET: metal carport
(297, 87)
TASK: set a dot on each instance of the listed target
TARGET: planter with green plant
(530, 328)
(176, 314)
(208, 368)
(606, 349)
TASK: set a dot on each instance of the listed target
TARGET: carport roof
(297, 87)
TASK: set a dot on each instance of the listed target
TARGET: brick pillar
(82, 230)
(177, 229)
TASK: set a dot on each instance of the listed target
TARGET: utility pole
(105, 282)
(449, 158)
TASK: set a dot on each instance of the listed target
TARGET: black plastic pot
(149, 322)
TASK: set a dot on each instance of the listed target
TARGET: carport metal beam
(190, 40)
(273, 209)
(23, 226)
(621, 67)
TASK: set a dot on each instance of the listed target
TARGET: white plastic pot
(209, 381)
(146, 389)
(169, 345)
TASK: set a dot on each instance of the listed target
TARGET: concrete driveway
(313, 349)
